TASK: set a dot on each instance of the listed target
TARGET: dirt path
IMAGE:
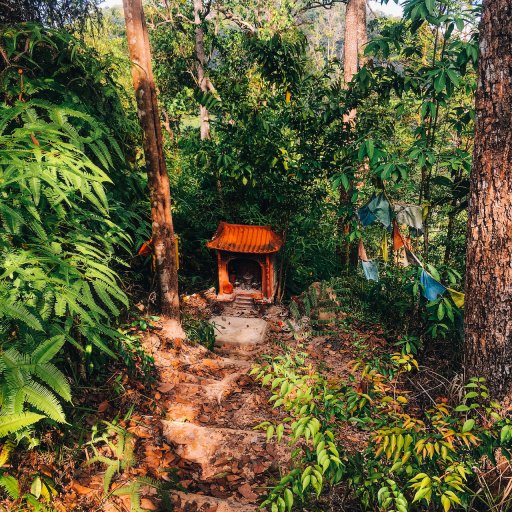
(211, 406)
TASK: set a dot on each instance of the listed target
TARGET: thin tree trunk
(488, 312)
(449, 232)
(158, 179)
(355, 38)
(202, 80)
(452, 214)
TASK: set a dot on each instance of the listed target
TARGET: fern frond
(133, 491)
(10, 423)
(11, 486)
(102, 291)
(114, 466)
(12, 220)
(47, 350)
(19, 312)
(7, 449)
(53, 378)
(44, 400)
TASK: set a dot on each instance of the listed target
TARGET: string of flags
(378, 208)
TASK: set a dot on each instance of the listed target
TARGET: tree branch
(314, 4)
(245, 25)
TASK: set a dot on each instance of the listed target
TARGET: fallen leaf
(80, 489)
(165, 387)
(103, 406)
(147, 504)
(246, 491)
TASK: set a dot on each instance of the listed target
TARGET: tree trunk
(158, 179)
(488, 312)
(355, 37)
(202, 80)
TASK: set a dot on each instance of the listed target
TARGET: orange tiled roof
(245, 238)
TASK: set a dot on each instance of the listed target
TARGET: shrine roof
(245, 238)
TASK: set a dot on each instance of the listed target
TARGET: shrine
(246, 258)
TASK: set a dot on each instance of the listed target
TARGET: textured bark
(355, 37)
(202, 79)
(488, 312)
(158, 179)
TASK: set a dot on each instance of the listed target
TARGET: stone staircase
(243, 304)
(213, 406)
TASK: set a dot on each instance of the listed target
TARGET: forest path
(211, 406)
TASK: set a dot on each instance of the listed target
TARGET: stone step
(184, 502)
(244, 300)
(239, 333)
(215, 450)
(215, 391)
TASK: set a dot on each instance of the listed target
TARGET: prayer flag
(431, 288)
(361, 251)
(398, 240)
(381, 208)
(384, 247)
(411, 258)
(457, 297)
(377, 208)
(371, 270)
(365, 215)
(412, 215)
(146, 248)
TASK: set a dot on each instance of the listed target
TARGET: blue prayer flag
(371, 270)
(365, 215)
(377, 208)
(431, 288)
(381, 208)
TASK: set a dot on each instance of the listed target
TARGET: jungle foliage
(74, 211)
(415, 456)
(66, 231)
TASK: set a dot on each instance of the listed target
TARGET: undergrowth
(411, 458)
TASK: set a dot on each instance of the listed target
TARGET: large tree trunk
(202, 79)
(158, 179)
(488, 312)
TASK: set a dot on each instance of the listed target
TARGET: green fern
(123, 451)
(10, 423)
(10, 485)
(58, 243)
(20, 388)
(19, 312)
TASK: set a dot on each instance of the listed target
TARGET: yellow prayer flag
(384, 247)
(457, 297)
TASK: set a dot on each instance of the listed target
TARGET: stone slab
(239, 332)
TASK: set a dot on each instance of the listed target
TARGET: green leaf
(36, 487)
(11, 486)
(468, 425)
(10, 423)
(288, 499)
(440, 82)
(453, 77)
